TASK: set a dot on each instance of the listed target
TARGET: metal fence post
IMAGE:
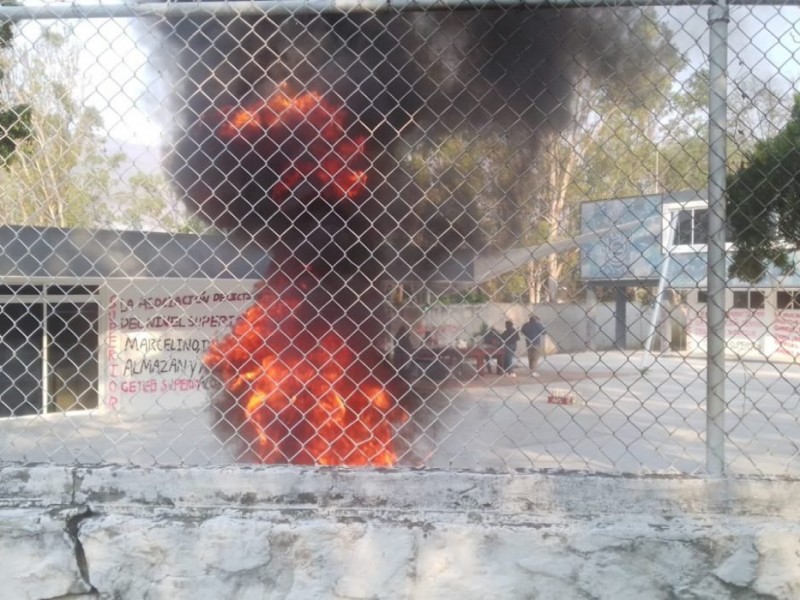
(717, 268)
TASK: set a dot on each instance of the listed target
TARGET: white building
(113, 320)
(661, 241)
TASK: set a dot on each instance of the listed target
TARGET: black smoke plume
(405, 77)
(302, 374)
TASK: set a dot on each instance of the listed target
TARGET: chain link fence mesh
(470, 239)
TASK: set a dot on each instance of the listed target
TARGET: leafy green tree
(61, 174)
(480, 194)
(147, 201)
(764, 203)
(624, 125)
(756, 110)
(14, 117)
(608, 150)
(495, 189)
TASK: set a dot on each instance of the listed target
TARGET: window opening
(748, 299)
(691, 228)
(788, 300)
(21, 359)
(49, 348)
(72, 367)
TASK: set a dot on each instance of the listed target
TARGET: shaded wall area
(570, 327)
(281, 532)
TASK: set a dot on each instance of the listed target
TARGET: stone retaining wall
(282, 532)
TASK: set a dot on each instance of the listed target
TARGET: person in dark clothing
(534, 333)
(492, 343)
(510, 338)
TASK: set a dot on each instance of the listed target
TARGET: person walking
(510, 338)
(534, 333)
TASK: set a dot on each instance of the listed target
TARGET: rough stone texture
(282, 532)
(37, 551)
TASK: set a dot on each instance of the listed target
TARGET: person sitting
(491, 343)
(510, 338)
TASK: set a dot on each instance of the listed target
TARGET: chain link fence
(478, 237)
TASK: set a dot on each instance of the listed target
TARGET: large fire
(302, 378)
(313, 141)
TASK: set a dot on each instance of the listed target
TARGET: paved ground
(625, 418)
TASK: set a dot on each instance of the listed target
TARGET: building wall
(635, 241)
(153, 334)
(762, 332)
(570, 327)
(284, 532)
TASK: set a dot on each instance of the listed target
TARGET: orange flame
(331, 156)
(312, 392)
(301, 386)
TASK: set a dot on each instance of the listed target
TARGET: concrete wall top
(439, 495)
(292, 534)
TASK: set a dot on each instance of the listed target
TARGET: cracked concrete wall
(283, 532)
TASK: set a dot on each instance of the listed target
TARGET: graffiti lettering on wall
(743, 328)
(160, 366)
(787, 331)
(176, 322)
(112, 344)
(155, 342)
(148, 344)
(164, 385)
(746, 328)
(183, 300)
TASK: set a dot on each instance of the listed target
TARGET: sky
(118, 79)
(128, 89)
(763, 40)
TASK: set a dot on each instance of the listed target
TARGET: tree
(755, 111)
(610, 148)
(496, 188)
(479, 193)
(673, 155)
(148, 202)
(62, 174)
(14, 117)
(764, 203)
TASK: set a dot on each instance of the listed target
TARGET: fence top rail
(292, 7)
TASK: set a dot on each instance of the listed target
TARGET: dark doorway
(72, 367)
(21, 333)
(48, 351)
